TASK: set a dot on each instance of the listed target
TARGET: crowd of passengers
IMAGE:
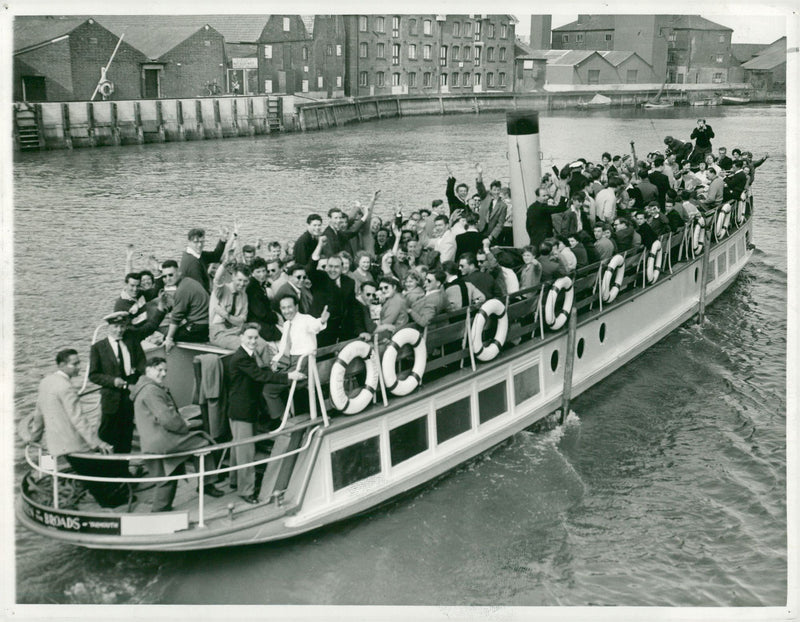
(360, 276)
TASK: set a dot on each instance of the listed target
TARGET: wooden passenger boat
(476, 389)
(730, 100)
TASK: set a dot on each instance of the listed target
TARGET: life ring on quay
(616, 270)
(404, 337)
(557, 320)
(653, 268)
(723, 221)
(491, 307)
(698, 241)
(347, 405)
(106, 88)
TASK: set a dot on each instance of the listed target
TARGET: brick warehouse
(424, 54)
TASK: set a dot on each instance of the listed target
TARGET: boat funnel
(525, 167)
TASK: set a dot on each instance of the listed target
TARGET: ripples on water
(668, 488)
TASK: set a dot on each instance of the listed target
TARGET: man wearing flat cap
(115, 363)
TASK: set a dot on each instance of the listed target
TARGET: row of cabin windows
(459, 29)
(458, 53)
(362, 459)
(452, 80)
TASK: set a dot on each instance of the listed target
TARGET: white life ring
(343, 403)
(491, 307)
(106, 88)
(653, 268)
(698, 235)
(557, 320)
(616, 270)
(723, 221)
(405, 336)
(741, 211)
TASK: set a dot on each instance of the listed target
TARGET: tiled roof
(615, 57)
(32, 30)
(237, 28)
(771, 57)
(153, 35)
(743, 52)
(572, 57)
(591, 22)
(695, 22)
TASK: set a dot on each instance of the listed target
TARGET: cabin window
(581, 345)
(526, 384)
(453, 419)
(408, 440)
(732, 255)
(492, 402)
(355, 462)
(554, 360)
(710, 276)
(696, 274)
(722, 263)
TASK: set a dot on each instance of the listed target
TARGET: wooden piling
(569, 365)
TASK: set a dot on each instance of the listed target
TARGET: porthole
(580, 347)
(696, 274)
(602, 332)
(554, 360)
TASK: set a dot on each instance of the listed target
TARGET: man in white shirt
(443, 240)
(299, 333)
(606, 202)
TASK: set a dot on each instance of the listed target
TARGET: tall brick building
(424, 54)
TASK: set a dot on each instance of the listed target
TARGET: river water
(666, 487)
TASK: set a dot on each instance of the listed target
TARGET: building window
(672, 37)
(722, 38)
(328, 50)
(579, 37)
(395, 26)
(267, 51)
(477, 31)
(305, 53)
(287, 24)
(362, 78)
(489, 55)
(380, 51)
(490, 31)
(362, 49)
(412, 79)
(502, 79)
(564, 38)
(426, 79)
(426, 52)
(380, 24)
(454, 79)
(426, 27)
(503, 31)
(465, 79)
(443, 79)
(93, 40)
(467, 29)
(490, 79)
(594, 76)
(455, 52)
(395, 79)
(319, 82)
(443, 55)
(466, 53)
(608, 37)
(502, 55)
(477, 56)
(456, 29)
(338, 81)
(412, 27)
(338, 50)
(720, 58)
(717, 78)
(412, 51)
(362, 23)
(671, 57)
(477, 79)
(631, 76)
(395, 54)
(268, 86)
(379, 79)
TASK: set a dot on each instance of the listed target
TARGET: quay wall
(67, 125)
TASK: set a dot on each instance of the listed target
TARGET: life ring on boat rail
(106, 88)
(741, 211)
(556, 320)
(491, 307)
(407, 336)
(653, 267)
(616, 270)
(698, 233)
(341, 401)
(723, 221)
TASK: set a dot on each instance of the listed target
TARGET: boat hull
(459, 416)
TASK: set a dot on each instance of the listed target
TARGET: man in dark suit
(492, 210)
(259, 306)
(307, 242)
(195, 261)
(115, 364)
(336, 291)
(735, 183)
(297, 286)
(539, 219)
(659, 180)
(246, 395)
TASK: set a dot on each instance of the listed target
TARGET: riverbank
(70, 125)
